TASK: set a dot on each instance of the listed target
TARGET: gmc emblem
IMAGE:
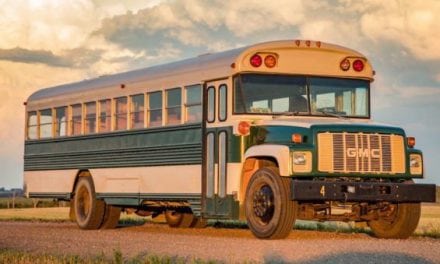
(363, 153)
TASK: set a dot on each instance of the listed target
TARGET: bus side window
(137, 111)
(120, 113)
(211, 104)
(90, 118)
(193, 105)
(61, 121)
(76, 120)
(174, 106)
(32, 131)
(155, 109)
(105, 117)
(46, 123)
(222, 102)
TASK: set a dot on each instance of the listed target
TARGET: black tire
(111, 217)
(72, 216)
(89, 211)
(270, 212)
(180, 219)
(402, 221)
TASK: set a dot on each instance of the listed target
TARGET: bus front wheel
(397, 221)
(270, 212)
(89, 211)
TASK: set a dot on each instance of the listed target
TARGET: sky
(50, 42)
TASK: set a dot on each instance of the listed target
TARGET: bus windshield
(300, 95)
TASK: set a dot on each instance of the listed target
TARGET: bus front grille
(361, 153)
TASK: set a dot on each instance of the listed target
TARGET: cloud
(197, 23)
(412, 24)
(47, 25)
(117, 7)
(35, 56)
(17, 81)
(77, 58)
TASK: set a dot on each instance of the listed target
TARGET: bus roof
(183, 66)
(208, 66)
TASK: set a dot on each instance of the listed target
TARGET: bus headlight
(301, 161)
(416, 164)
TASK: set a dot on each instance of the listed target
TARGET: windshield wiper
(332, 114)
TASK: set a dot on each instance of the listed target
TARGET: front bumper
(362, 191)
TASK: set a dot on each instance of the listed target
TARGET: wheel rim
(173, 215)
(263, 204)
(83, 203)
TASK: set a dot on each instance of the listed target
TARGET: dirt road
(228, 245)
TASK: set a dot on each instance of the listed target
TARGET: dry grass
(36, 214)
(16, 257)
(55, 214)
(429, 224)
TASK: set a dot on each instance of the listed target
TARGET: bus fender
(280, 153)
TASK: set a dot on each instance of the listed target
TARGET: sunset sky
(49, 42)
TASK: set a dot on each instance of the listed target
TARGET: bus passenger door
(215, 203)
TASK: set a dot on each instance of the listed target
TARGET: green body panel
(222, 208)
(233, 148)
(179, 145)
(227, 207)
(281, 135)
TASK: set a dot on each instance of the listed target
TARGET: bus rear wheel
(89, 211)
(270, 212)
(111, 217)
(199, 222)
(398, 221)
(181, 219)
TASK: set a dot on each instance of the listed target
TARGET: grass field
(54, 214)
(429, 224)
(16, 257)
(21, 202)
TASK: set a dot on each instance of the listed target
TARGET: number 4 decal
(322, 191)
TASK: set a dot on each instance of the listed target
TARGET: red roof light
(358, 65)
(256, 60)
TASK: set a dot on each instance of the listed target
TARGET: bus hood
(332, 124)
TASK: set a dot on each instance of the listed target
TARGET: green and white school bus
(268, 133)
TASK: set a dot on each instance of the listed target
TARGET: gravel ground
(228, 245)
